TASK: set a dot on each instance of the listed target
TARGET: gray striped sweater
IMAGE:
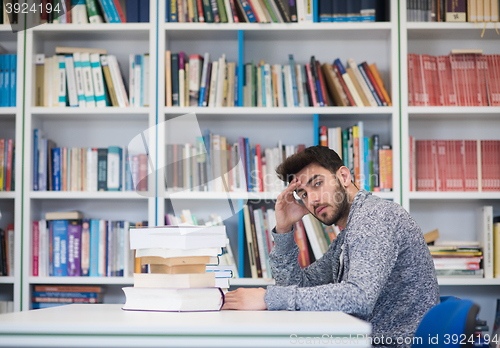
(387, 275)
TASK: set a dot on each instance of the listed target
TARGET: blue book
(110, 254)
(41, 305)
(294, 80)
(111, 11)
(2, 92)
(60, 247)
(248, 10)
(369, 83)
(37, 134)
(144, 11)
(6, 80)
(263, 85)
(315, 11)
(325, 11)
(57, 294)
(353, 10)
(128, 174)
(50, 228)
(339, 66)
(173, 13)
(339, 10)
(56, 169)
(249, 165)
(13, 78)
(314, 70)
(367, 11)
(366, 156)
(94, 247)
(132, 7)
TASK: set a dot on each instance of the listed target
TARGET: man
(378, 268)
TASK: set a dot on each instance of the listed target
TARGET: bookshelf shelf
(237, 111)
(7, 280)
(244, 195)
(88, 111)
(467, 281)
(450, 31)
(250, 282)
(278, 26)
(9, 195)
(458, 112)
(8, 111)
(108, 27)
(454, 195)
(81, 280)
(85, 195)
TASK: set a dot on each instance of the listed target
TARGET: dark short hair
(321, 155)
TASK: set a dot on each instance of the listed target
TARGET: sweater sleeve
(372, 256)
(286, 268)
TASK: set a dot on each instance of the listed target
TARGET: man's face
(323, 194)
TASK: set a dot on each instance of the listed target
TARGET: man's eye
(303, 195)
(318, 183)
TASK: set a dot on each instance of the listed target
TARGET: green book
(271, 13)
(196, 18)
(345, 150)
(93, 12)
(222, 11)
(207, 11)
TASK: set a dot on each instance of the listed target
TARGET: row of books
(83, 79)
(198, 82)
(7, 251)
(369, 162)
(236, 167)
(454, 80)
(455, 165)
(457, 258)
(452, 11)
(184, 283)
(7, 165)
(76, 246)
(8, 78)
(86, 169)
(93, 11)
(273, 11)
(46, 296)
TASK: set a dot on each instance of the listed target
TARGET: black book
(102, 169)
(175, 78)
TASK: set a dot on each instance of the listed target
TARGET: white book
(47, 87)
(54, 102)
(97, 78)
(167, 253)
(288, 86)
(213, 84)
(194, 80)
(362, 82)
(182, 87)
(260, 243)
(77, 60)
(88, 83)
(178, 237)
(113, 171)
(79, 13)
(268, 82)
(43, 243)
(271, 222)
(220, 81)
(229, 12)
(260, 13)
(42, 164)
(117, 79)
(145, 82)
(279, 82)
(138, 82)
(217, 164)
(300, 85)
(309, 11)
(485, 236)
(62, 82)
(311, 235)
(301, 11)
(71, 81)
(350, 86)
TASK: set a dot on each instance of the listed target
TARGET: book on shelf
(8, 79)
(81, 247)
(7, 165)
(85, 77)
(7, 251)
(291, 85)
(452, 11)
(462, 79)
(45, 296)
(455, 165)
(273, 11)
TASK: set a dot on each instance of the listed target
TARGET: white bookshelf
(86, 127)
(11, 121)
(265, 126)
(453, 213)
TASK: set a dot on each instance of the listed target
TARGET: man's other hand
(245, 299)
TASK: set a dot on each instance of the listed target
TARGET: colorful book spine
(74, 247)
(60, 245)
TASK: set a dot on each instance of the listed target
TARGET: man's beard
(340, 206)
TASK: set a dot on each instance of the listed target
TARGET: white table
(107, 325)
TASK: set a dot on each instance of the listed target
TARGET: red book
(459, 165)
(443, 80)
(323, 92)
(412, 165)
(323, 137)
(419, 165)
(411, 80)
(259, 161)
(301, 240)
(427, 80)
(496, 165)
(455, 73)
(436, 90)
(8, 162)
(120, 11)
(233, 10)
(143, 172)
(35, 247)
(201, 17)
(442, 160)
(68, 11)
(452, 90)
(311, 84)
(495, 98)
(344, 86)
(433, 165)
(374, 83)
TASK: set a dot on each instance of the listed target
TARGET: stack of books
(178, 279)
(46, 296)
(457, 258)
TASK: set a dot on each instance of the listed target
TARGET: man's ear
(344, 175)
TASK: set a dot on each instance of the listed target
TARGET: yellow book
(380, 83)
(496, 250)
(168, 78)
(357, 86)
